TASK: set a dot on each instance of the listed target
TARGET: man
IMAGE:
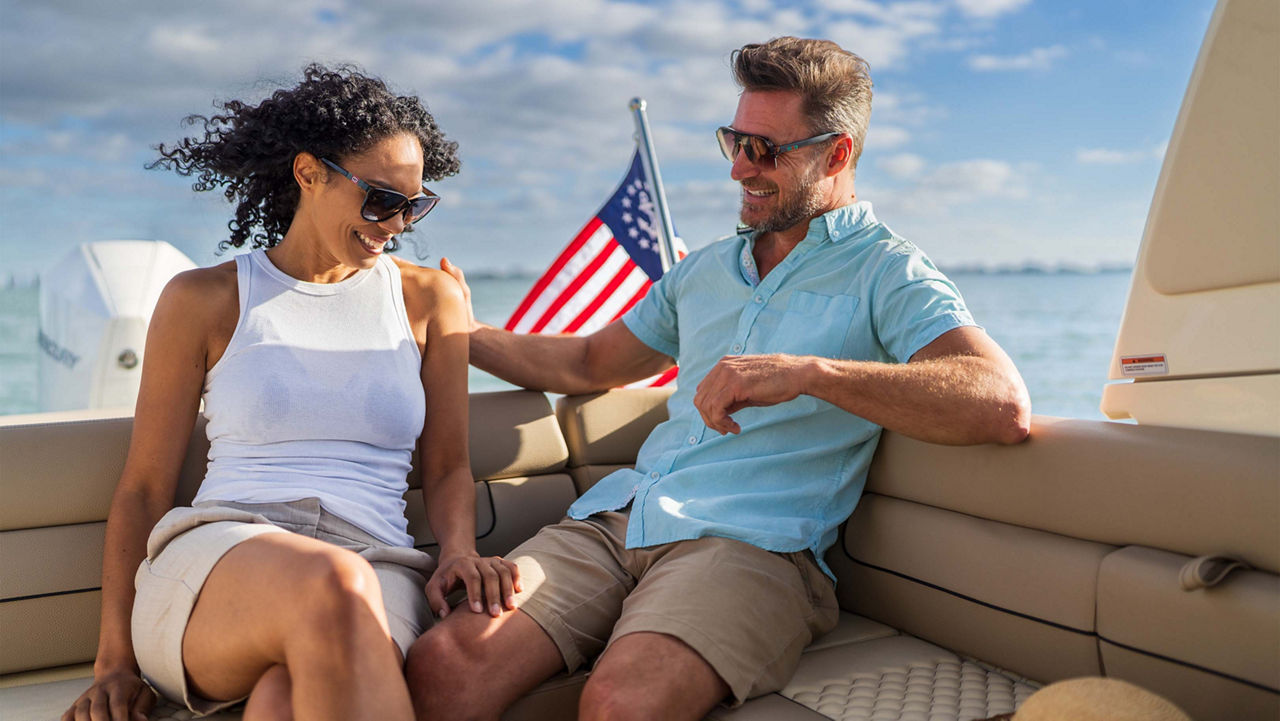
(698, 576)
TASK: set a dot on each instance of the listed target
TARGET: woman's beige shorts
(187, 543)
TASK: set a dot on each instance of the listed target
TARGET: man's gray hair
(834, 83)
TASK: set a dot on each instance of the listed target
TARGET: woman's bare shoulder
(201, 289)
(426, 284)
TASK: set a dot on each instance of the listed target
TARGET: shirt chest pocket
(814, 324)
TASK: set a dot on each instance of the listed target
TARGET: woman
(320, 361)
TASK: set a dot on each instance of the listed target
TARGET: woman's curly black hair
(331, 114)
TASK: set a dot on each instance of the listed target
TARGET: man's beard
(799, 205)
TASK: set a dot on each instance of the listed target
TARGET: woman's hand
(491, 583)
(459, 276)
(117, 696)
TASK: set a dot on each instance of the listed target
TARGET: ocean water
(1059, 329)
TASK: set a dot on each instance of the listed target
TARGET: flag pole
(649, 159)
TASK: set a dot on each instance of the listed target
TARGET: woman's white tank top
(318, 394)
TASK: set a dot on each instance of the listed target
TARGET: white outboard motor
(95, 304)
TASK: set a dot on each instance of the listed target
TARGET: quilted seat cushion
(902, 678)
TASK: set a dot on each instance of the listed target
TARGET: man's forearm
(540, 362)
(956, 400)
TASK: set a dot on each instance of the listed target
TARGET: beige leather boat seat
(1063, 556)
(892, 677)
(57, 475)
(967, 575)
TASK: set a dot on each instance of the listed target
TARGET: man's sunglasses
(759, 149)
(381, 204)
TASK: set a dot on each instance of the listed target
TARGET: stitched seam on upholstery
(50, 594)
(1229, 677)
(493, 521)
(1168, 659)
(971, 599)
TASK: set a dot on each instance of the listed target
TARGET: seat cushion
(902, 677)
(862, 669)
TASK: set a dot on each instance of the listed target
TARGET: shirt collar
(836, 226)
(844, 222)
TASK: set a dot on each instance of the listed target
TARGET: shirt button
(759, 298)
(693, 440)
(654, 475)
(737, 347)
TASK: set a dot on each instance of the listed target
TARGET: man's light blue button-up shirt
(851, 289)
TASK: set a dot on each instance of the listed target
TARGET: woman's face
(394, 163)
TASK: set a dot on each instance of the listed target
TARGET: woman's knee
(339, 591)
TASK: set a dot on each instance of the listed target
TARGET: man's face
(778, 198)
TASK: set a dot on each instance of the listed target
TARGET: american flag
(606, 269)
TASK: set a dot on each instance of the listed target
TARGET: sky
(1003, 132)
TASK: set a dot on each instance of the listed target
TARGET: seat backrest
(604, 431)
(1061, 556)
(59, 471)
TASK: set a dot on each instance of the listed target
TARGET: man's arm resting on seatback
(610, 357)
(959, 389)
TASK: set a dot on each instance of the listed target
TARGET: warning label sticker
(1144, 365)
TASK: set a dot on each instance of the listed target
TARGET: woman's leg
(270, 700)
(281, 599)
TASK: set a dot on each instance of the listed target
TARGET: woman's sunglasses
(381, 204)
(759, 149)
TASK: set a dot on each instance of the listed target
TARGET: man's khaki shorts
(747, 611)
(187, 543)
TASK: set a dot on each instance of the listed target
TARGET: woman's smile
(372, 245)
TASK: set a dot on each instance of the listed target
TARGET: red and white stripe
(592, 283)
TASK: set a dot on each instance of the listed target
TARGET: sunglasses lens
(381, 204)
(422, 205)
(754, 147)
(728, 140)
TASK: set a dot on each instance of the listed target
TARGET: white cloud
(883, 137)
(756, 6)
(970, 179)
(903, 165)
(1105, 156)
(910, 110)
(884, 45)
(989, 8)
(1035, 59)
(183, 45)
(942, 190)
(866, 8)
(534, 91)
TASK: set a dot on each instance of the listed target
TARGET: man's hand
(459, 276)
(118, 695)
(493, 579)
(742, 381)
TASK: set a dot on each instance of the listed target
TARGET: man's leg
(473, 666)
(710, 619)
(651, 676)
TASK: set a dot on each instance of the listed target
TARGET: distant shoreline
(11, 280)
(1023, 268)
